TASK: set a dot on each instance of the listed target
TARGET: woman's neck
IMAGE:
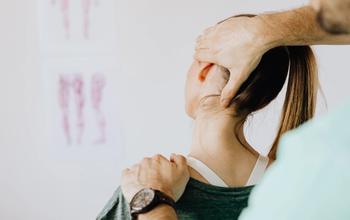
(216, 144)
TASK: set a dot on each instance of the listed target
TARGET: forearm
(297, 27)
(163, 212)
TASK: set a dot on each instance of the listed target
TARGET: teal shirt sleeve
(311, 178)
(117, 208)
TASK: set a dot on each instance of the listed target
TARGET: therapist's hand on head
(159, 173)
(237, 44)
(333, 15)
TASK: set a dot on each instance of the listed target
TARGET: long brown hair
(267, 80)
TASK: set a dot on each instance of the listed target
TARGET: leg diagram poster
(79, 64)
(79, 27)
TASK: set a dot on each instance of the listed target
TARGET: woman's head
(263, 85)
(203, 80)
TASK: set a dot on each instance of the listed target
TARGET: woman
(223, 166)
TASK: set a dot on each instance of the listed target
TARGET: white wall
(157, 39)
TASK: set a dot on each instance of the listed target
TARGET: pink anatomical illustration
(65, 6)
(78, 88)
(86, 6)
(64, 89)
(97, 86)
(71, 97)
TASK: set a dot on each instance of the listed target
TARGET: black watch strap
(160, 198)
(164, 199)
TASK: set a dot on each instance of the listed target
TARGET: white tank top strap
(206, 172)
(258, 171)
(214, 179)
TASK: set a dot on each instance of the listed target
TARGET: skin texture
(162, 174)
(295, 27)
(212, 47)
(213, 137)
(239, 42)
(333, 15)
(157, 173)
(213, 134)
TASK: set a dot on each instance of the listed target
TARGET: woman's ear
(204, 70)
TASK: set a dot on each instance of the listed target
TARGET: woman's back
(200, 201)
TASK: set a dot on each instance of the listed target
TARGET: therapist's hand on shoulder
(157, 172)
(237, 44)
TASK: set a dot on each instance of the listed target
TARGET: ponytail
(299, 105)
(267, 80)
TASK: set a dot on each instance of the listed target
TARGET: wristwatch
(146, 200)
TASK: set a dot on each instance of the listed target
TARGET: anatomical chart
(78, 26)
(78, 47)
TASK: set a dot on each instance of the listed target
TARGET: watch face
(142, 199)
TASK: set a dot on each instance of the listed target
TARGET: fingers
(145, 161)
(179, 160)
(202, 47)
(204, 44)
(209, 30)
(205, 55)
(205, 33)
(125, 171)
(132, 169)
(316, 4)
(148, 161)
(159, 157)
(204, 41)
(204, 50)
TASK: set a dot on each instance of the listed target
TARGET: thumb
(231, 88)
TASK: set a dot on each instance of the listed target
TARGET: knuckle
(146, 160)
(183, 159)
(157, 157)
(134, 167)
(179, 157)
(124, 172)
